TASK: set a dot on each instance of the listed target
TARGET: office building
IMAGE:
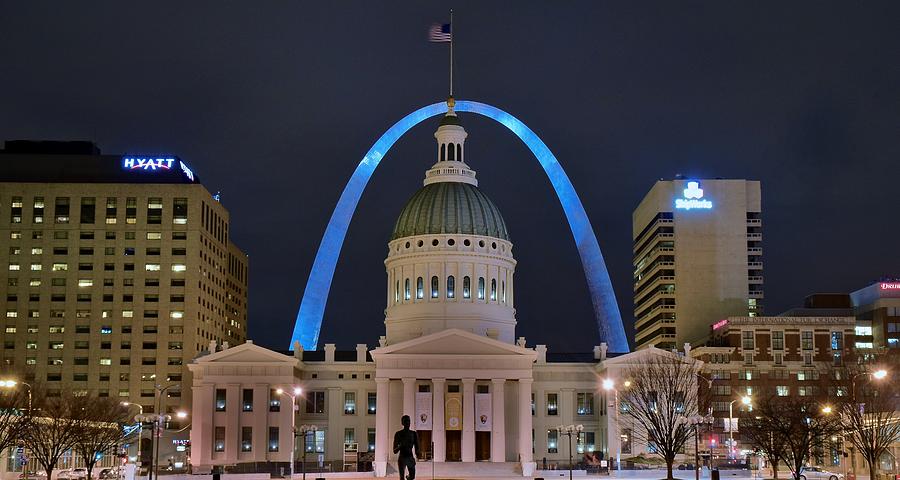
(697, 250)
(117, 272)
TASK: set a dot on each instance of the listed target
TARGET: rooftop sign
(157, 165)
(143, 163)
(890, 285)
(693, 198)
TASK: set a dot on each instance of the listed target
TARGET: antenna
(451, 53)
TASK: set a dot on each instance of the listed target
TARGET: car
(108, 473)
(818, 473)
(73, 474)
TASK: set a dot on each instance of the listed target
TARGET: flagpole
(451, 53)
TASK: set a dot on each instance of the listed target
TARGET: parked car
(107, 473)
(818, 473)
(73, 474)
(33, 475)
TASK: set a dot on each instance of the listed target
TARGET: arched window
(459, 152)
(451, 286)
(420, 288)
(397, 292)
(443, 152)
(493, 289)
(434, 287)
(481, 288)
(406, 290)
(467, 287)
(503, 291)
(452, 153)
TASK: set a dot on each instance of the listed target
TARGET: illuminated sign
(890, 286)
(720, 324)
(142, 163)
(693, 198)
(187, 171)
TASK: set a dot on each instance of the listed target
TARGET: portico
(468, 395)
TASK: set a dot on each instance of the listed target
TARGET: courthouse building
(450, 359)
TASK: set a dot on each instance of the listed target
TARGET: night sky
(274, 104)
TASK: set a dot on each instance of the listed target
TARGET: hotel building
(116, 272)
(697, 250)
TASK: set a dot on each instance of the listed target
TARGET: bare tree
(13, 417)
(662, 398)
(797, 423)
(870, 416)
(101, 430)
(52, 431)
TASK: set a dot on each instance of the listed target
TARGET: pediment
(639, 356)
(454, 342)
(246, 353)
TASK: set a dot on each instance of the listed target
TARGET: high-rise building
(116, 272)
(697, 258)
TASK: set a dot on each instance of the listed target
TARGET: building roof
(448, 208)
(41, 161)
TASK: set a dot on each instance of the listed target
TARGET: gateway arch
(312, 307)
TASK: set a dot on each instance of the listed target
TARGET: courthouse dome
(450, 208)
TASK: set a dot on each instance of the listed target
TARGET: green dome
(447, 208)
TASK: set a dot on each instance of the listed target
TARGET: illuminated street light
(879, 374)
(826, 409)
(608, 384)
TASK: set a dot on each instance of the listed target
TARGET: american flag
(439, 33)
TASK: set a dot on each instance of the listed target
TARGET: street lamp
(879, 374)
(140, 428)
(12, 384)
(296, 392)
(609, 384)
(305, 429)
(746, 401)
(570, 430)
(158, 421)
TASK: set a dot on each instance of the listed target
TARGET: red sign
(890, 286)
(720, 324)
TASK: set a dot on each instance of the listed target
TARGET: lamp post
(297, 391)
(877, 375)
(609, 384)
(304, 429)
(570, 430)
(140, 428)
(158, 422)
(12, 384)
(696, 421)
(746, 401)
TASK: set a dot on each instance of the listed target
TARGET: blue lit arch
(312, 307)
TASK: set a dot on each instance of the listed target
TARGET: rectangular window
(782, 390)
(220, 399)
(586, 442)
(274, 401)
(552, 441)
(315, 442)
(154, 211)
(88, 210)
(37, 212)
(626, 440)
(219, 443)
(61, 209)
(747, 340)
(180, 211)
(584, 403)
(273, 439)
(247, 400)
(552, 404)
(370, 438)
(315, 402)
(246, 439)
(131, 211)
(349, 403)
(778, 340)
(371, 401)
(110, 210)
(806, 340)
(16, 210)
(837, 341)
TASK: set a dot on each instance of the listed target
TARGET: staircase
(453, 470)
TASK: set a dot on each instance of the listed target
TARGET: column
(498, 422)
(334, 431)
(525, 454)
(468, 432)
(204, 426)
(260, 422)
(438, 434)
(382, 414)
(409, 400)
(232, 422)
